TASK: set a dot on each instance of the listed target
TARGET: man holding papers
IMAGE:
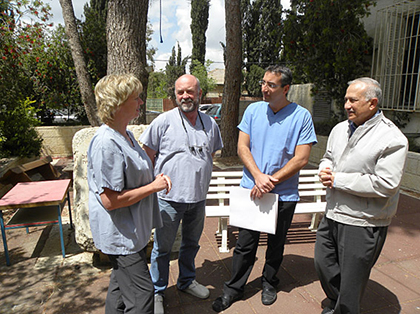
(275, 141)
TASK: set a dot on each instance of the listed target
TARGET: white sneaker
(197, 290)
(159, 309)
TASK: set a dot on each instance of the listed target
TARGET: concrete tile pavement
(41, 281)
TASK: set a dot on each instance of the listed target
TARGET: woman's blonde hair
(113, 90)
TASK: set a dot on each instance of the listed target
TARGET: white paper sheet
(259, 214)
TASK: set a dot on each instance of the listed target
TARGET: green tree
(157, 85)
(18, 137)
(201, 72)
(199, 24)
(261, 38)
(327, 44)
(93, 38)
(253, 77)
(55, 81)
(24, 26)
(174, 69)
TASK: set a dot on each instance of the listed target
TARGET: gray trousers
(344, 257)
(130, 286)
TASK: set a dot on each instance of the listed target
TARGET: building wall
(412, 127)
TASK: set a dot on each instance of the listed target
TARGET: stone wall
(411, 178)
(57, 140)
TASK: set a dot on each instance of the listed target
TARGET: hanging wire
(160, 21)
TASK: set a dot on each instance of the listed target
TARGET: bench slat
(312, 193)
(218, 196)
(225, 181)
(310, 208)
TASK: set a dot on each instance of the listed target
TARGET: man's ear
(286, 89)
(373, 103)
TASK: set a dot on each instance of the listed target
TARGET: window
(397, 54)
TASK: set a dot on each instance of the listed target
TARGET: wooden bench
(311, 192)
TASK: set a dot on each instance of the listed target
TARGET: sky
(175, 27)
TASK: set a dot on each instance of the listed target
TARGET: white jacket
(368, 170)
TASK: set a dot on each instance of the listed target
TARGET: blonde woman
(123, 206)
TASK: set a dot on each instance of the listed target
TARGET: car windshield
(212, 110)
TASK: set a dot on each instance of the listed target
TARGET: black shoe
(327, 310)
(268, 295)
(224, 301)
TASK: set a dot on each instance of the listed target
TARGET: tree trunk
(126, 42)
(233, 78)
(83, 77)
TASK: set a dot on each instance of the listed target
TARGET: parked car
(203, 108)
(215, 112)
(57, 116)
(63, 116)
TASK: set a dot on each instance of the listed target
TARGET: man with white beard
(182, 143)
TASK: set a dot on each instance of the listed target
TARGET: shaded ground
(41, 281)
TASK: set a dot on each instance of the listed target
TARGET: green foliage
(157, 85)
(40, 58)
(93, 38)
(262, 33)
(55, 82)
(24, 27)
(252, 79)
(326, 43)
(18, 137)
(199, 24)
(200, 72)
(174, 69)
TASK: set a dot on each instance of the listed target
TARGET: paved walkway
(41, 281)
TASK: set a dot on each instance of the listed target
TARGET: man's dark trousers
(246, 249)
(344, 257)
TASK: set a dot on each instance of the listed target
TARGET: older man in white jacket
(362, 168)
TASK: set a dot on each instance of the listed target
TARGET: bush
(18, 137)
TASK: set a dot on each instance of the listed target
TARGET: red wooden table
(38, 203)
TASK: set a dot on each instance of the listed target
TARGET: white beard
(187, 105)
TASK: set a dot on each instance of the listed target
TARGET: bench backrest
(310, 189)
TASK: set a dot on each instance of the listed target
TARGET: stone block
(81, 141)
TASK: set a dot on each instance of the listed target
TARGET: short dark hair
(286, 73)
